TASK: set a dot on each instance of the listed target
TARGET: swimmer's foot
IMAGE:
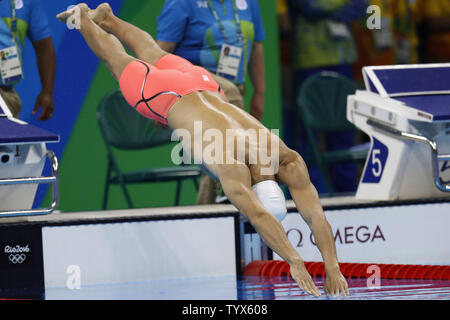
(81, 9)
(101, 15)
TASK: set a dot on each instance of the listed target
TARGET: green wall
(84, 163)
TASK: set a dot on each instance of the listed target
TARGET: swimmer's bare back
(210, 109)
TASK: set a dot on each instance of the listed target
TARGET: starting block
(405, 110)
(23, 154)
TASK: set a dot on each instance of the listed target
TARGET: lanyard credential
(11, 71)
(13, 21)
(237, 20)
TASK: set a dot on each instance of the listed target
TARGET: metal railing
(435, 156)
(53, 180)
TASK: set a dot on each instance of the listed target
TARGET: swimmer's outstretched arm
(236, 183)
(294, 174)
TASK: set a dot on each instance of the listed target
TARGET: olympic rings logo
(17, 258)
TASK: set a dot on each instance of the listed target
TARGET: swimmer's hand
(303, 278)
(335, 284)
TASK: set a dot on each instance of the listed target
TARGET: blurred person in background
(434, 30)
(201, 32)
(285, 31)
(396, 42)
(323, 41)
(21, 19)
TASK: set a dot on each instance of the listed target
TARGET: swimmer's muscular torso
(214, 113)
(155, 90)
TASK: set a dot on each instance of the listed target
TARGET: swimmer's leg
(236, 182)
(141, 43)
(294, 173)
(105, 46)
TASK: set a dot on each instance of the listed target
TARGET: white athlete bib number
(229, 62)
(10, 66)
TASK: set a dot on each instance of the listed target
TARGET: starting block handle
(435, 157)
(54, 181)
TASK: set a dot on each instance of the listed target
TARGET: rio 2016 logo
(17, 254)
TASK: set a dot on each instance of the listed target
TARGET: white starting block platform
(23, 154)
(405, 110)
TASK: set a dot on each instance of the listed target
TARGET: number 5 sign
(376, 163)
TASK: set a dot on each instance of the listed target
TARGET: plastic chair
(123, 128)
(322, 104)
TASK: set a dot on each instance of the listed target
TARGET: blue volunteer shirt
(31, 22)
(191, 24)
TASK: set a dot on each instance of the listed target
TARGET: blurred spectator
(324, 42)
(283, 16)
(285, 28)
(435, 30)
(23, 18)
(285, 31)
(202, 32)
(397, 40)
